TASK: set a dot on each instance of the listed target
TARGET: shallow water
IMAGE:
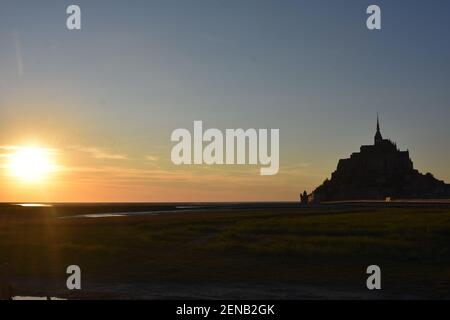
(36, 298)
(33, 205)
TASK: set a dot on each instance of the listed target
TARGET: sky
(104, 99)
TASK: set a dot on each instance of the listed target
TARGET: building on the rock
(378, 172)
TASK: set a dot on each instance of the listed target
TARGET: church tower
(378, 137)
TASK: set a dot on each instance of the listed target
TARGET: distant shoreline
(118, 210)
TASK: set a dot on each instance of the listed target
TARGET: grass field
(318, 252)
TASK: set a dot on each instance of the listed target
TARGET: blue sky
(139, 69)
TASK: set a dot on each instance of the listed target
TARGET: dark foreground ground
(277, 251)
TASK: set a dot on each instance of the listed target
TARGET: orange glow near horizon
(40, 172)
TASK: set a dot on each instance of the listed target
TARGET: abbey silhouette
(378, 172)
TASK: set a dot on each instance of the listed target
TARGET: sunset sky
(101, 103)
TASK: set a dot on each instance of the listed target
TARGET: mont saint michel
(378, 172)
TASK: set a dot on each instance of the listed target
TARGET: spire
(378, 136)
(378, 123)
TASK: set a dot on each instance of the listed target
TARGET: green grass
(322, 247)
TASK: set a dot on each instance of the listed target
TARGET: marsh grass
(306, 246)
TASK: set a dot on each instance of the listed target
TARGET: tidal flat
(229, 251)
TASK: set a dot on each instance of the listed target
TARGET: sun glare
(31, 164)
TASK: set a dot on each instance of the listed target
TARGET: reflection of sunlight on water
(100, 215)
(35, 298)
(33, 205)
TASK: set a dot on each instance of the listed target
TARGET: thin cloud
(98, 153)
(152, 158)
(9, 148)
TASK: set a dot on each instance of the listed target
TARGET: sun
(31, 164)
